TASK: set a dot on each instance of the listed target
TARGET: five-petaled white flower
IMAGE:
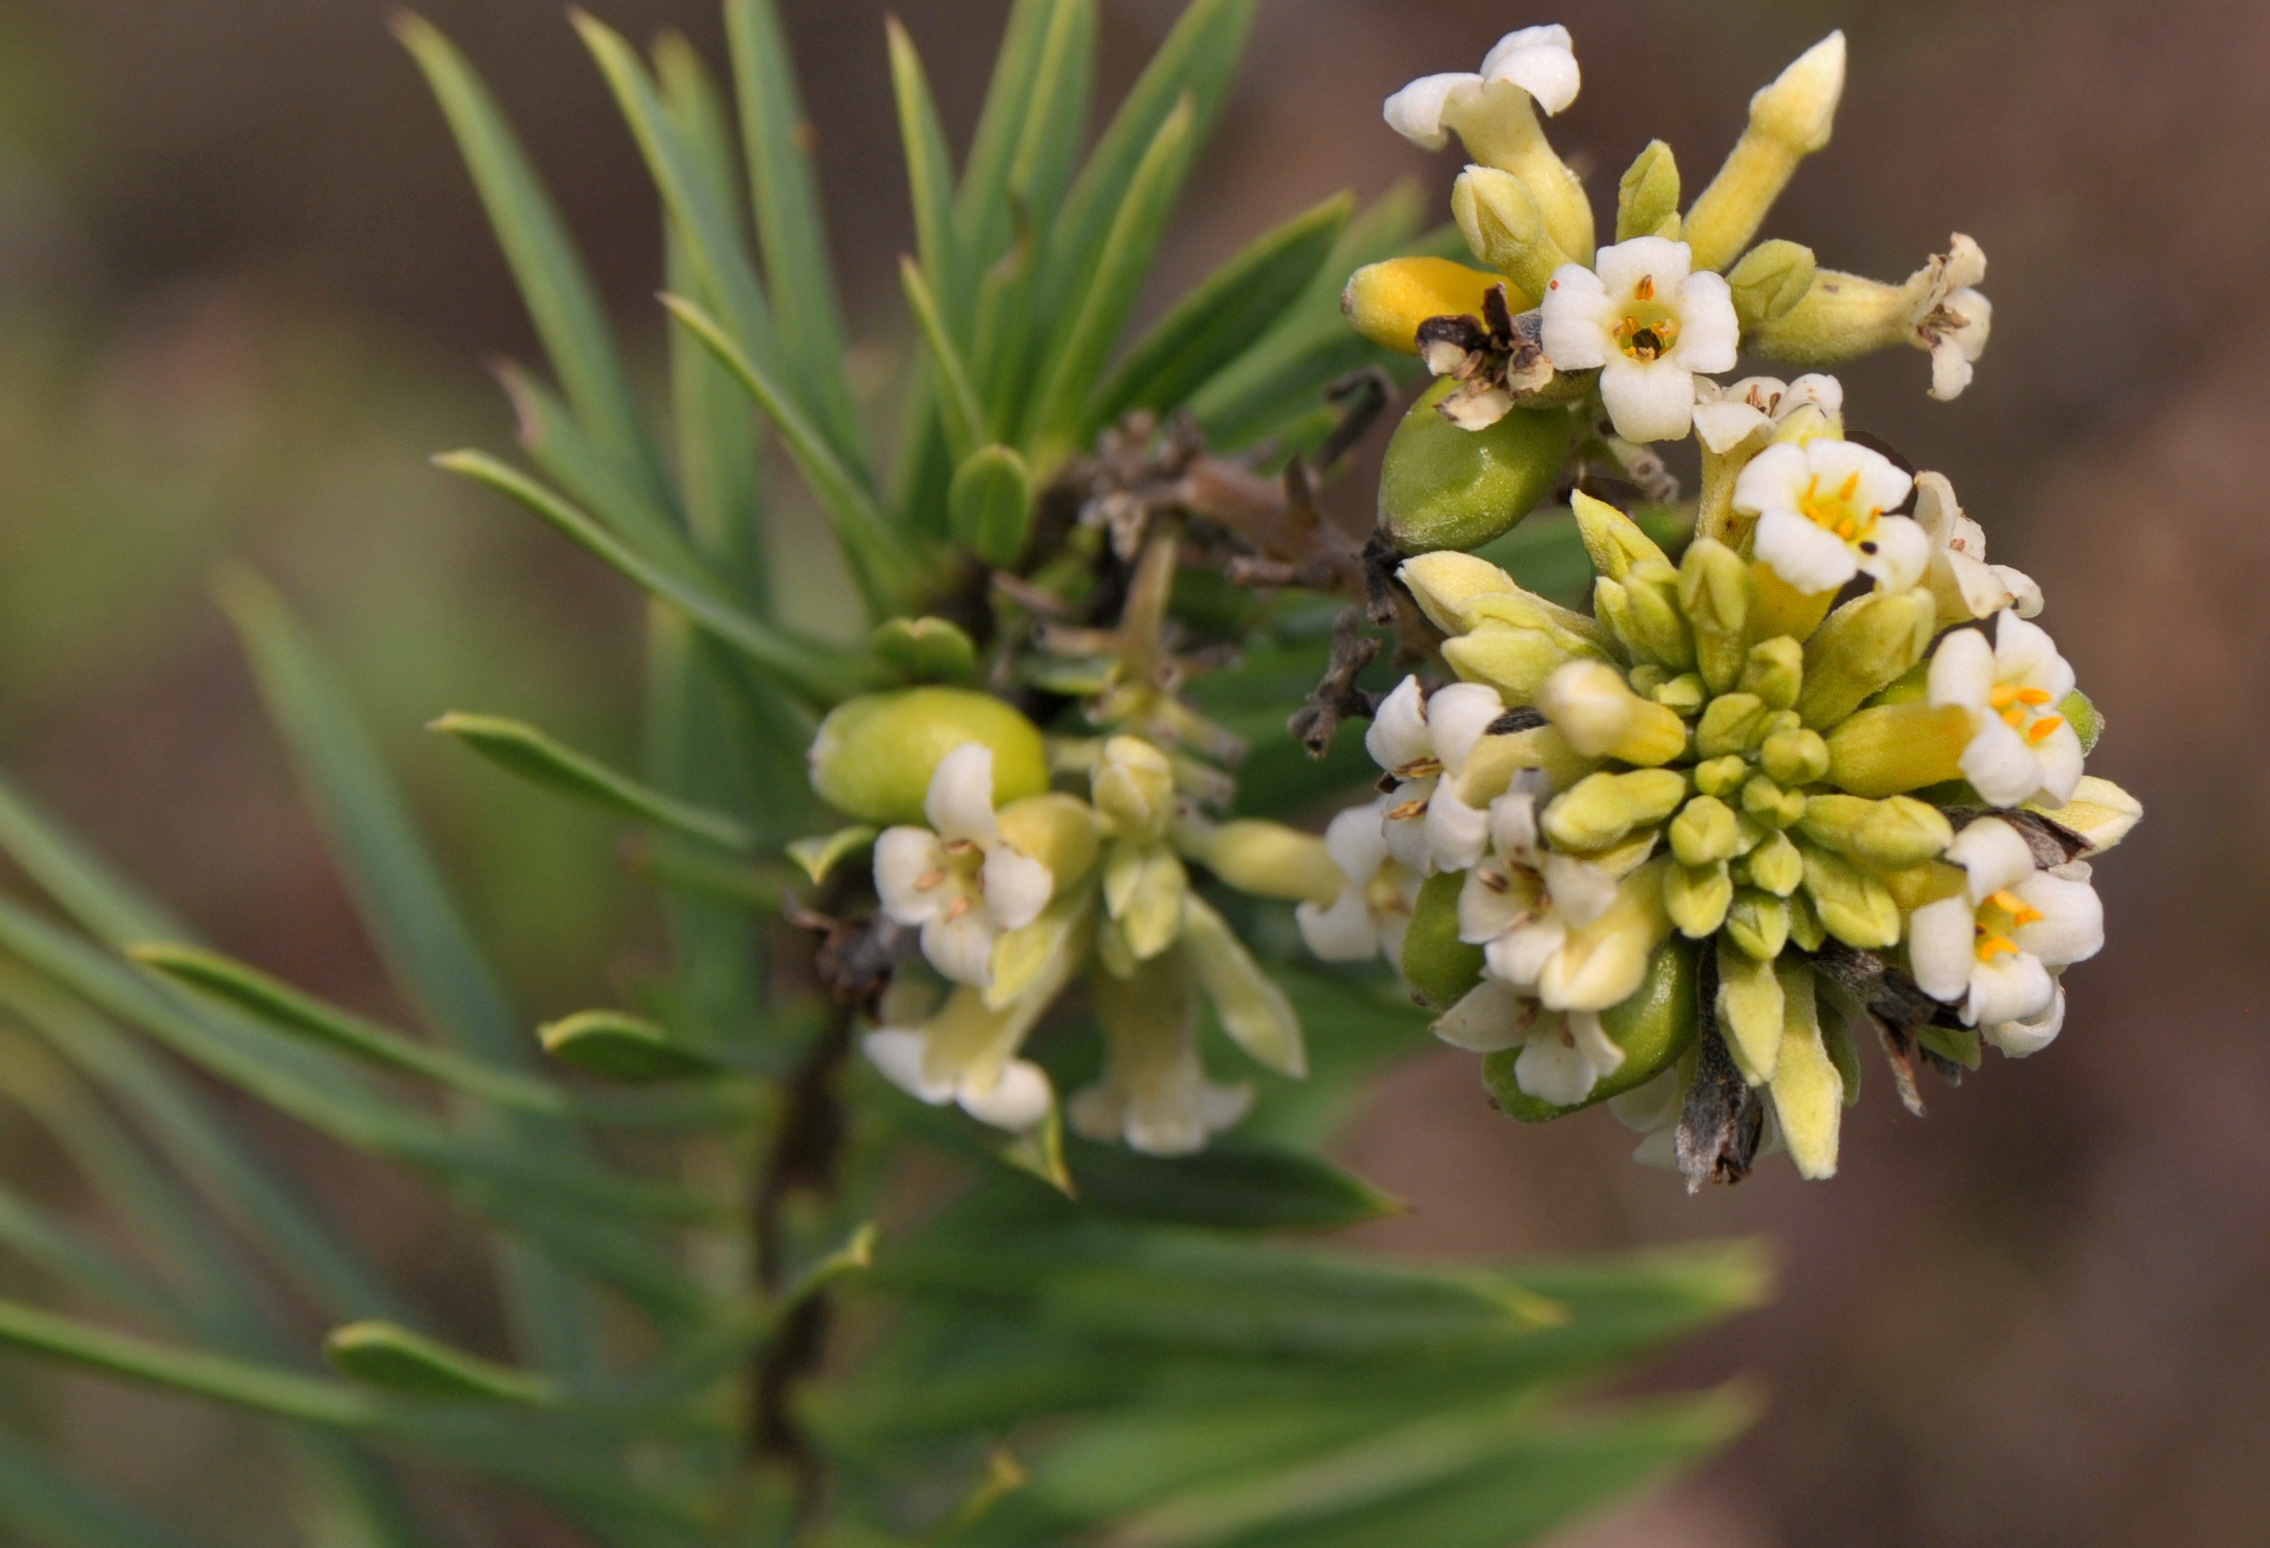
(963, 884)
(2022, 748)
(1374, 910)
(1820, 510)
(1651, 327)
(1990, 948)
(1564, 1054)
(1419, 740)
(1537, 60)
(1961, 581)
(1522, 903)
(1727, 416)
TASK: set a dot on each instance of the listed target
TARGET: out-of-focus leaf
(613, 1046)
(556, 440)
(59, 1249)
(960, 412)
(394, 1359)
(537, 757)
(48, 1507)
(982, 213)
(1227, 1185)
(1055, 112)
(929, 170)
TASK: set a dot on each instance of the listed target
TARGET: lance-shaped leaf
(929, 169)
(613, 1046)
(1229, 1186)
(394, 1359)
(534, 756)
(961, 413)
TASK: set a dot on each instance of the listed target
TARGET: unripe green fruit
(1653, 1028)
(1443, 487)
(874, 755)
(1436, 963)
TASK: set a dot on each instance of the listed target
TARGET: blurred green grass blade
(65, 1254)
(79, 880)
(556, 441)
(41, 1504)
(959, 409)
(1055, 113)
(1222, 317)
(981, 206)
(1198, 59)
(543, 760)
(886, 567)
(285, 1394)
(929, 175)
(558, 290)
(613, 1046)
(1228, 1186)
(823, 673)
(791, 225)
(1085, 339)
(394, 1359)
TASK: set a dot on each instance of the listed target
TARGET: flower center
(1998, 917)
(1648, 330)
(1837, 510)
(2020, 709)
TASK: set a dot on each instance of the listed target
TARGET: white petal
(1513, 825)
(2010, 987)
(1491, 901)
(1520, 956)
(1723, 425)
(1979, 588)
(1407, 836)
(1017, 1101)
(2071, 927)
(2024, 653)
(1398, 736)
(1902, 554)
(2061, 759)
(1575, 319)
(1881, 482)
(1999, 763)
(1017, 887)
(1456, 832)
(1951, 370)
(2017, 1039)
(1539, 61)
(960, 802)
(1592, 1040)
(1774, 479)
(2025, 593)
(1962, 671)
(1415, 112)
(1648, 400)
(1710, 337)
(903, 856)
(1993, 855)
(1486, 1018)
(1354, 841)
(961, 949)
(1622, 266)
(1552, 1070)
(1811, 559)
(1822, 391)
(1341, 933)
(1942, 944)
(898, 1053)
(1457, 716)
(1581, 891)
(1224, 1106)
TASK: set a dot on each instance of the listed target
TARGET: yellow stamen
(2020, 911)
(2044, 728)
(1994, 946)
(930, 879)
(1407, 810)
(957, 908)
(1645, 289)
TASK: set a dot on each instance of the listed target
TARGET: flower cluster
(1820, 770)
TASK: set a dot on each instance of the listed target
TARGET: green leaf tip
(537, 757)
(384, 1355)
(820, 854)
(615, 1046)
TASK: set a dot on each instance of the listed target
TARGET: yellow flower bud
(1774, 670)
(1749, 1012)
(1794, 757)
(1443, 486)
(1716, 593)
(1682, 695)
(1770, 280)
(1505, 229)
(1854, 906)
(1760, 924)
(1647, 196)
(1613, 541)
(1887, 835)
(1268, 860)
(1144, 885)
(1059, 831)
(1491, 766)
(1387, 301)
(1806, 1089)
(1769, 805)
(1775, 866)
(1705, 831)
(1600, 809)
(1697, 897)
(874, 755)
(2100, 812)
(1790, 118)
(1729, 724)
(1722, 776)
(1256, 1014)
(1863, 646)
(1602, 718)
(1898, 747)
(1133, 786)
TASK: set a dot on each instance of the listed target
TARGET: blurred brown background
(244, 289)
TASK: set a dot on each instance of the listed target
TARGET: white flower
(1564, 1054)
(1950, 317)
(1374, 910)
(1014, 1094)
(1418, 740)
(1727, 416)
(1537, 60)
(963, 884)
(2021, 748)
(1523, 902)
(1990, 948)
(1154, 1094)
(1649, 325)
(1961, 581)
(1820, 510)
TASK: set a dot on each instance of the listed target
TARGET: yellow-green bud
(1855, 907)
(1446, 583)
(1601, 809)
(1516, 662)
(1134, 787)
(1613, 541)
(1654, 1027)
(1682, 695)
(1144, 885)
(1771, 279)
(1840, 317)
(1729, 724)
(1804, 921)
(1794, 757)
(1716, 592)
(1775, 671)
(1861, 647)
(874, 755)
(1899, 747)
(1697, 897)
(1807, 1090)
(1253, 1010)
(1447, 487)
(1789, 119)
(1495, 760)
(1775, 865)
(1505, 229)
(1500, 128)
(1268, 860)
(1059, 831)
(1771, 805)
(2084, 717)
(1759, 924)
(927, 649)
(1749, 1012)
(1656, 627)
(1602, 718)
(1387, 301)
(1705, 831)
(1722, 776)
(1647, 196)
(1438, 966)
(1889, 835)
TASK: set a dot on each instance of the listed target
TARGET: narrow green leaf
(929, 173)
(856, 1255)
(959, 408)
(819, 672)
(791, 226)
(47, 1507)
(886, 567)
(820, 854)
(285, 1394)
(981, 208)
(394, 1359)
(1224, 316)
(60, 1250)
(533, 755)
(1106, 300)
(991, 503)
(1055, 113)
(1227, 1186)
(560, 295)
(613, 1046)
(553, 437)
